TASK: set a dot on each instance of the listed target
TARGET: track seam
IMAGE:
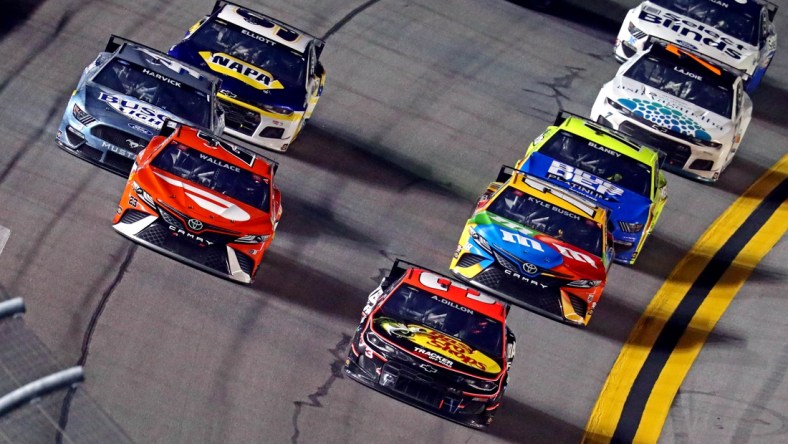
(314, 398)
(86, 339)
(358, 10)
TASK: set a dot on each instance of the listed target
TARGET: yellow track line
(607, 411)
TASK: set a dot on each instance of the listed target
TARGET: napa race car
(203, 201)
(606, 167)
(738, 33)
(272, 75)
(677, 102)
(123, 98)
(434, 343)
(537, 245)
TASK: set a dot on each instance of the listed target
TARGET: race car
(677, 102)
(606, 167)
(271, 71)
(203, 201)
(123, 98)
(537, 245)
(434, 343)
(738, 33)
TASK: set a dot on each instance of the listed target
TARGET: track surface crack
(314, 398)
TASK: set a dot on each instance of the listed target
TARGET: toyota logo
(195, 224)
(428, 368)
(529, 268)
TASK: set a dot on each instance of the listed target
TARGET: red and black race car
(434, 343)
(201, 200)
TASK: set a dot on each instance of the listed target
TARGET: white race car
(738, 33)
(681, 104)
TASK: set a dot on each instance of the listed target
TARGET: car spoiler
(562, 115)
(711, 60)
(319, 43)
(171, 127)
(771, 9)
(401, 266)
(579, 201)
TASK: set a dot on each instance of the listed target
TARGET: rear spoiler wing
(319, 43)
(651, 40)
(170, 127)
(771, 9)
(562, 115)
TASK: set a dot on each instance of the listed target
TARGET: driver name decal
(137, 111)
(238, 69)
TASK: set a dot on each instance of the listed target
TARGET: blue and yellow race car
(271, 73)
(607, 167)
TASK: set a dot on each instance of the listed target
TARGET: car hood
(113, 108)
(537, 248)
(239, 80)
(669, 112)
(203, 204)
(684, 31)
(437, 348)
(621, 201)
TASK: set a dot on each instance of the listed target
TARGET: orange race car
(203, 201)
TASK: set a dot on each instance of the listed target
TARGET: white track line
(5, 233)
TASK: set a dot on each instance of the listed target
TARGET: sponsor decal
(181, 232)
(518, 238)
(132, 201)
(583, 180)
(117, 150)
(670, 115)
(137, 111)
(576, 255)
(208, 201)
(438, 347)
(141, 129)
(706, 36)
(238, 69)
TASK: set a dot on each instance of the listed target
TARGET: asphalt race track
(424, 101)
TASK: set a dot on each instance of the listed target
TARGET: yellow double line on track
(636, 398)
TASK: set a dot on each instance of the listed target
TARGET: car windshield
(735, 21)
(411, 304)
(282, 63)
(556, 222)
(681, 81)
(605, 163)
(215, 174)
(177, 98)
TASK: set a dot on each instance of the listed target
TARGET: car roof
(256, 22)
(559, 196)
(457, 293)
(225, 151)
(163, 64)
(609, 138)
